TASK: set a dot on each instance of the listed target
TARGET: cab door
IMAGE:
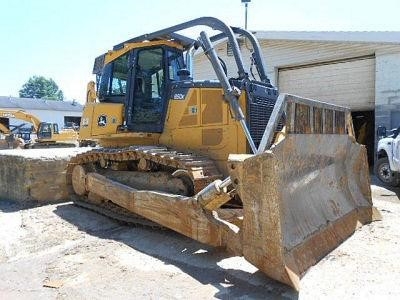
(148, 97)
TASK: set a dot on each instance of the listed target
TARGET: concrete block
(35, 176)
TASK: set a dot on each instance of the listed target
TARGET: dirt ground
(66, 252)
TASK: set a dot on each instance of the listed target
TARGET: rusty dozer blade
(301, 200)
(306, 194)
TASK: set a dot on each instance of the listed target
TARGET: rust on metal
(301, 199)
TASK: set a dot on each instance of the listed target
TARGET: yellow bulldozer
(47, 134)
(276, 178)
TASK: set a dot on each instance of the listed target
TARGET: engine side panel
(199, 120)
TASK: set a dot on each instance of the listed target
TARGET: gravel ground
(66, 252)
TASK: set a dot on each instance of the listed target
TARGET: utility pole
(246, 3)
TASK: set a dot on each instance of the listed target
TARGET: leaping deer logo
(102, 121)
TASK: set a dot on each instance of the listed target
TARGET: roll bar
(216, 24)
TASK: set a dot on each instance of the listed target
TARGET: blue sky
(59, 39)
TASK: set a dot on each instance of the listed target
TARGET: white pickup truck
(387, 165)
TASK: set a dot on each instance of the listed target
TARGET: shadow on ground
(377, 182)
(183, 253)
(9, 206)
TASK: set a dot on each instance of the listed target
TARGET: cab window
(113, 81)
(119, 76)
(175, 63)
(149, 86)
(55, 128)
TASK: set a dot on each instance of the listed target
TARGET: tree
(41, 88)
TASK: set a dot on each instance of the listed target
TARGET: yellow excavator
(276, 178)
(47, 134)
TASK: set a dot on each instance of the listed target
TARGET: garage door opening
(348, 82)
(72, 122)
(364, 128)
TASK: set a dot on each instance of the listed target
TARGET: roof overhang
(379, 37)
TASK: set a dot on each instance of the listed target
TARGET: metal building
(60, 112)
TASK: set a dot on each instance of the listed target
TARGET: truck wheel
(384, 174)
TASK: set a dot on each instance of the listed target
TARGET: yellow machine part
(100, 120)
(204, 122)
(4, 129)
(201, 122)
(65, 135)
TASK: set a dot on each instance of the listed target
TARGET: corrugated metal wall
(349, 83)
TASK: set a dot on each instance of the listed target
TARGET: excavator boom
(21, 115)
(4, 129)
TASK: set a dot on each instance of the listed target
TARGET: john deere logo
(102, 121)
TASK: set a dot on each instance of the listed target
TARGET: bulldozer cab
(140, 79)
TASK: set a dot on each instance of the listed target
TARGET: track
(117, 213)
(197, 171)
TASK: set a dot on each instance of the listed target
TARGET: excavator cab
(47, 130)
(49, 135)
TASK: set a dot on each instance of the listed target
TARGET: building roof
(380, 37)
(39, 104)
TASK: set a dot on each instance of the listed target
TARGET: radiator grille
(261, 98)
(259, 110)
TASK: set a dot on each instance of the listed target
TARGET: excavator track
(199, 170)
